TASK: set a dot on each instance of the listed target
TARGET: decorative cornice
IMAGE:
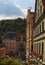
(39, 39)
(39, 34)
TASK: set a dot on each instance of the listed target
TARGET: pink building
(9, 41)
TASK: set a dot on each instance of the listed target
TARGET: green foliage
(10, 61)
(17, 25)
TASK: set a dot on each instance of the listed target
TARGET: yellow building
(29, 35)
(39, 32)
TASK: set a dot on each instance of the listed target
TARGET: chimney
(28, 11)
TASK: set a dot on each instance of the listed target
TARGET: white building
(39, 32)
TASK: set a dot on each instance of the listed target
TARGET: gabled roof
(43, 1)
(9, 35)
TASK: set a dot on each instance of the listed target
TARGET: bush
(10, 61)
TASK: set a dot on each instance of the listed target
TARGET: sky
(11, 9)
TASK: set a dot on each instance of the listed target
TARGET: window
(38, 12)
(39, 48)
(42, 47)
(42, 26)
(38, 30)
(7, 43)
(40, 9)
(29, 30)
(36, 47)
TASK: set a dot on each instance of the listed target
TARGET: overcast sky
(15, 8)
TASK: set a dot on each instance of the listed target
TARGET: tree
(16, 25)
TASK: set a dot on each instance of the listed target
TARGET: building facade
(39, 32)
(21, 40)
(9, 41)
(29, 35)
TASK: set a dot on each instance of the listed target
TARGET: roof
(14, 36)
(43, 1)
(9, 35)
(31, 12)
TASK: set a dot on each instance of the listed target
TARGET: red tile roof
(43, 3)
